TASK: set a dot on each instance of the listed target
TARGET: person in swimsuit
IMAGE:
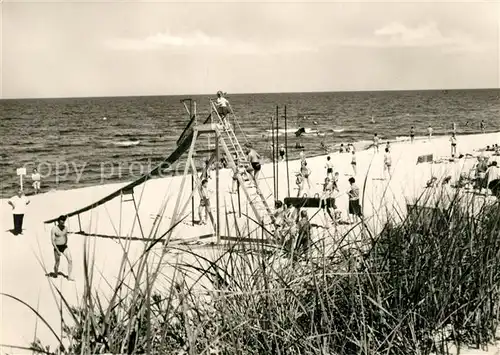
(453, 141)
(412, 134)
(375, 142)
(59, 235)
(204, 202)
(353, 163)
(282, 152)
(254, 159)
(387, 162)
(329, 168)
(305, 172)
(429, 131)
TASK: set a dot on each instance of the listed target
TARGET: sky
(96, 48)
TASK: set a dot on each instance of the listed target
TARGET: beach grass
(424, 285)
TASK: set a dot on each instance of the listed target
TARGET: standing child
(453, 141)
(282, 152)
(239, 171)
(354, 206)
(412, 134)
(302, 155)
(329, 168)
(36, 180)
(353, 163)
(336, 182)
(305, 172)
(304, 236)
(204, 202)
(387, 162)
(375, 142)
(299, 180)
(429, 131)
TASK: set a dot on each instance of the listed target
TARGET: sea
(77, 142)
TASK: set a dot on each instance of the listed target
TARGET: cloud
(201, 41)
(426, 35)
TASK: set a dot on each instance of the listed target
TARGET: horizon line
(250, 93)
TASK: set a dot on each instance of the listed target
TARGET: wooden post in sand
(217, 206)
(286, 156)
(274, 147)
(277, 153)
(192, 177)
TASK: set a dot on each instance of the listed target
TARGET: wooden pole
(286, 155)
(239, 199)
(217, 206)
(274, 164)
(277, 153)
(192, 177)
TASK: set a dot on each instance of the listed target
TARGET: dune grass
(419, 287)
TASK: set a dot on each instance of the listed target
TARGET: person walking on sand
(482, 126)
(254, 159)
(329, 168)
(387, 162)
(353, 163)
(453, 141)
(429, 131)
(36, 180)
(204, 202)
(59, 237)
(354, 206)
(412, 134)
(18, 204)
(388, 145)
(375, 142)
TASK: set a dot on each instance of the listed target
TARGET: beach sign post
(21, 172)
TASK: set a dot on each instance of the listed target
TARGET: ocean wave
(126, 143)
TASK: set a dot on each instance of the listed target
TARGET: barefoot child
(204, 202)
(329, 168)
(305, 172)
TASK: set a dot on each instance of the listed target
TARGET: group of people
(487, 176)
(59, 232)
(330, 185)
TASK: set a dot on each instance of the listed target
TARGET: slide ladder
(232, 149)
(254, 195)
(234, 146)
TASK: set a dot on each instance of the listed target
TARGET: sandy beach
(28, 257)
